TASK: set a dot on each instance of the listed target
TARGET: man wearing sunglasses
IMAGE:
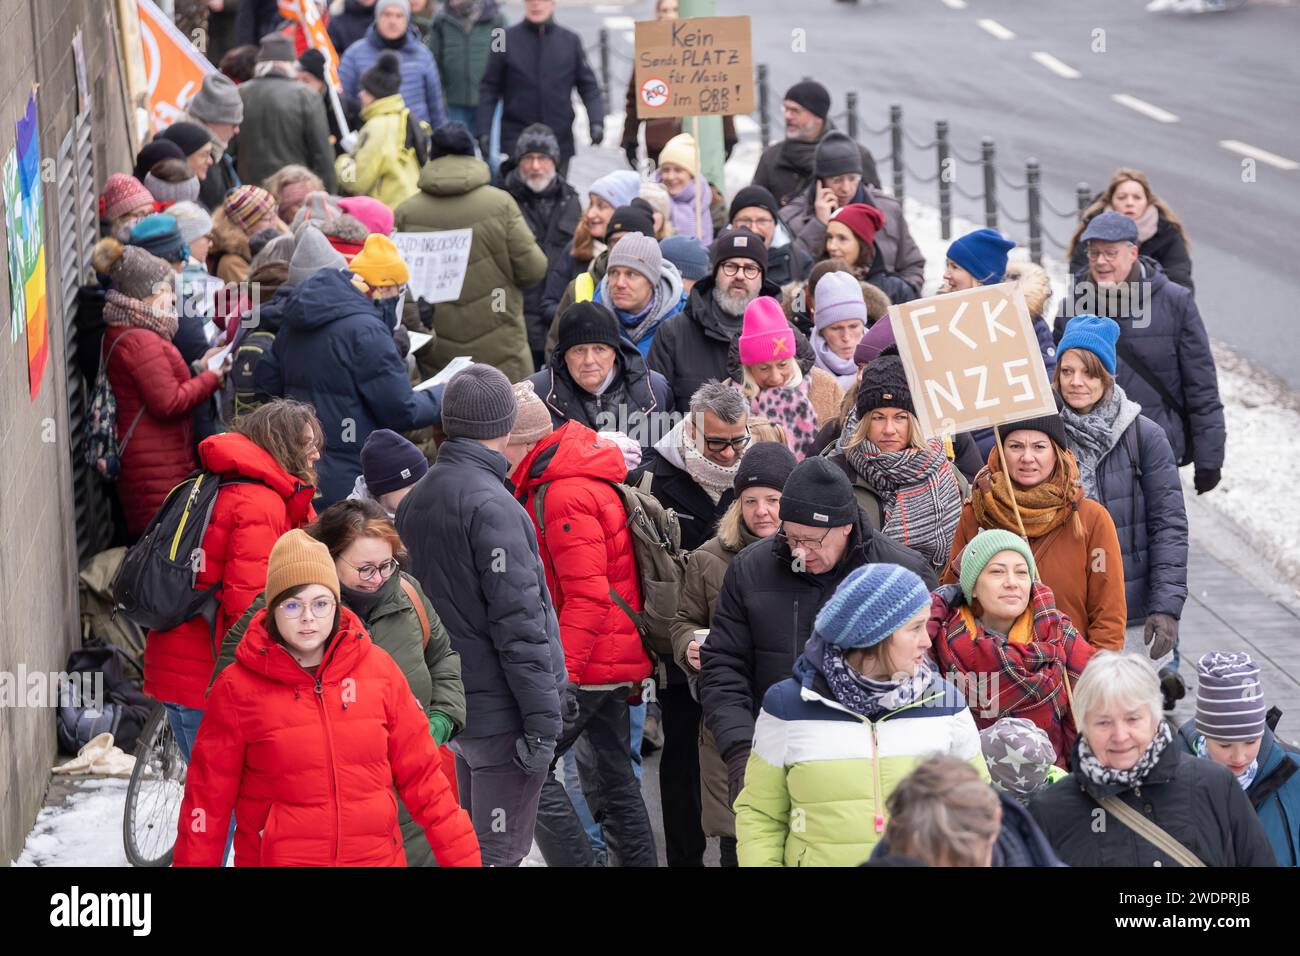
(692, 470)
(771, 595)
(691, 348)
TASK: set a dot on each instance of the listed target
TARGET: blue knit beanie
(870, 604)
(160, 235)
(1094, 334)
(689, 255)
(982, 253)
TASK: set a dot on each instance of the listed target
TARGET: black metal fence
(947, 162)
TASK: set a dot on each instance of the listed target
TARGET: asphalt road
(1223, 77)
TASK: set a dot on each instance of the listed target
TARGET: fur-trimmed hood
(1034, 285)
(228, 238)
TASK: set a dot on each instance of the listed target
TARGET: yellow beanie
(680, 151)
(298, 559)
(379, 262)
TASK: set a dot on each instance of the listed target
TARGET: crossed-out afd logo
(74, 909)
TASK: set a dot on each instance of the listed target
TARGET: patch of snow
(85, 831)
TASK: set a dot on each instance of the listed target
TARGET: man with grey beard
(551, 208)
(691, 347)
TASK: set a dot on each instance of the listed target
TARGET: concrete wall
(38, 572)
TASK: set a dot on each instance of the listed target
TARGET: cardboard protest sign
(173, 68)
(697, 67)
(437, 262)
(972, 359)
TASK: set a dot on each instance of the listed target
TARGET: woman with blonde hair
(1161, 235)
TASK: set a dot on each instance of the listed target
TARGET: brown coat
(704, 573)
(230, 252)
(1085, 573)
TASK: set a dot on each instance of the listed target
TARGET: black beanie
(1050, 425)
(537, 138)
(755, 196)
(451, 139)
(631, 218)
(385, 77)
(737, 244)
(884, 385)
(767, 464)
(190, 137)
(152, 153)
(312, 61)
(812, 96)
(836, 155)
(389, 462)
(585, 323)
(818, 493)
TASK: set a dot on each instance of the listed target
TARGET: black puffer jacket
(552, 216)
(1167, 247)
(785, 168)
(1171, 341)
(1197, 802)
(762, 619)
(633, 403)
(474, 551)
(673, 487)
(691, 348)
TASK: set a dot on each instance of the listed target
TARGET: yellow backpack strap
(584, 287)
(948, 448)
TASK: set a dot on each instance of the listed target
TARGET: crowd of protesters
(882, 648)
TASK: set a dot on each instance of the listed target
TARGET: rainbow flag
(32, 244)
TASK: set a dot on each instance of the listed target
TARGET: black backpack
(156, 585)
(252, 348)
(122, 712)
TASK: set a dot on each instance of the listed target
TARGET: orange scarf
(1043, 508)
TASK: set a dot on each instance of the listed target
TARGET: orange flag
(173, 68)
(307, 14)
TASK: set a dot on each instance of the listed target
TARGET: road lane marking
(1263, 155)
(1145, 108)
(955, 4)
(607, 8)
(1063, 70)
(995, 28)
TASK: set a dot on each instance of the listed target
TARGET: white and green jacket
(819, 774)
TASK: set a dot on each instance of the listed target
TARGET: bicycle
(154, 794)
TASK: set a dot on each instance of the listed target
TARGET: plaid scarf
(918, 492)
(1043, 508)
(123, 312)
(1012, 679)
(1093, 770)
(866, 695)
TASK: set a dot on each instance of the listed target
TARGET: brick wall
(38, 555)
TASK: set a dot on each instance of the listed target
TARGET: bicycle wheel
(153, 797)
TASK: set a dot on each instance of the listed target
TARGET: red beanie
(123, 194)
(864, 221)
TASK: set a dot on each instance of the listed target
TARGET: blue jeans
(636, 728)
(184, 722)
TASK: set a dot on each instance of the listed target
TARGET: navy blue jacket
(335, 350)
(473, 548)
(1145, 500)
(1171, 341)
(533, 76)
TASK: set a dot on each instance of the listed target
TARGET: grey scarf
(1094, 434)
(866, 695)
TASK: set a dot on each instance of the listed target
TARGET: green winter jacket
(462, 55)
(487, 321)
(381, 166)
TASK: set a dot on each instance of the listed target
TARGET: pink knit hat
(765, 335)
(372, 214)
(122, 194)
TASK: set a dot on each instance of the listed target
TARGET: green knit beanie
(980, 551)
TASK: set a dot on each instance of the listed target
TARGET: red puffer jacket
(247, 520)
(147, 372)
(1002, 678)
(308, 764)
(586, 549)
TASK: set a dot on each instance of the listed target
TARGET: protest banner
(173, 68)
(972, 359)
(437, 262)
(697, 67)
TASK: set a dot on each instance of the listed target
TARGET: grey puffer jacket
(1137, 480)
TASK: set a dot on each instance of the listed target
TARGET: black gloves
(1205, 479)
(485, 147)
(629, 150)
(736, 776)
(597, 134)
(1160, 634)
(534, 754)
(569, 707)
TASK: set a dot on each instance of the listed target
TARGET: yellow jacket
(382, 165)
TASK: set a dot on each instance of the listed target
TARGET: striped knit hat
(249, 205)
(1229, 697)
(870, 604)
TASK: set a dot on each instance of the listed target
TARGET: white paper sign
(458, 364)
(437, 262)
(215, 363)
(419, 340)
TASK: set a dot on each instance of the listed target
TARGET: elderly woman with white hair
(1160, 805)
